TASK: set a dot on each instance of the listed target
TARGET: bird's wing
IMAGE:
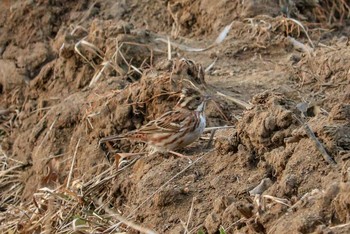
(172, 121)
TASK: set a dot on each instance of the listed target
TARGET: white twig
(169, 49)
(304, 29)
(189, 216)
(216, 128)
(218, 40)
(72, 165)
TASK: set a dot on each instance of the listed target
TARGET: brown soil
(66, 81)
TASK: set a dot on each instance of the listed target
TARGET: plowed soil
(72, 72)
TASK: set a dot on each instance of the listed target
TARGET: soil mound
(273, 159)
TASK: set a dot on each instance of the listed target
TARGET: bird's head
(192, 99)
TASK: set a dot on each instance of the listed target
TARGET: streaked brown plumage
(174, 129)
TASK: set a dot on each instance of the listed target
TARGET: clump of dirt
(325, 75)
(93, 69)
(284, 164)
(201, 17)
(266, 126)
(315, 209)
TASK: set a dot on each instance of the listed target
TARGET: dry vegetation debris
(91, 69)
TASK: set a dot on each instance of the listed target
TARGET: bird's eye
(198, 98)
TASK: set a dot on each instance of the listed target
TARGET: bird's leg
(181, 155)
(120, 158)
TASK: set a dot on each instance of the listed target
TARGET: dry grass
(81, 208)
(87, 51)
(11, 187)
(84, 207)
(331, 12)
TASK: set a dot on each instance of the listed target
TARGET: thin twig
(217, 128)
(47, 134)
(189, 215)
(210, 66)
(212, 134)
(220, 111)
(125, 220)
(304, 29)
(340, 226)
(318, 144)
(278, 200)
(218, 40)
(4, 172)
(72, 165)
(169, 49)
(235, 100)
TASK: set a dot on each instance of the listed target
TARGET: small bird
(174, 129)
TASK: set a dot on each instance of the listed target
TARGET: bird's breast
(196, 132)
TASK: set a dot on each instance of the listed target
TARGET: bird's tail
(132, 135)
(112, 138)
